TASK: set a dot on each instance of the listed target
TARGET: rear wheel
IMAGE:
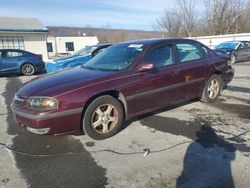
(103, 118)
(212, 89)
(28, 69)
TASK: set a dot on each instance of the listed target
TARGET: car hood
(55, 66)
(64, 81)
(224, 50)
(64, 58)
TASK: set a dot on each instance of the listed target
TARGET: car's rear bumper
(227, 76)
(56, 123)
(41, 68)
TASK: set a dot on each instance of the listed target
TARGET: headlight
(42, 103)
(228, 53)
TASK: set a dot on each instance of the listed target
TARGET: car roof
(236, 41)
(98, 45)
(10, 49)
(153, 41)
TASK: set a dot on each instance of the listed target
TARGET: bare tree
(188, 15)
(171, 22)
(223, 16)
(181, 20)
(243, 26)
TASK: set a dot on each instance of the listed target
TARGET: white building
(31, 35)
(213, 41)
(68, 45)
(23, 33)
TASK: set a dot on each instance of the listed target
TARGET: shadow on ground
(68, 163)
(207, 162)
(242, 110)
(239, 89)
(209, 165)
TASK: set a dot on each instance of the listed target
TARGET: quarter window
(69, 46)
(161, 56)
(189, 52)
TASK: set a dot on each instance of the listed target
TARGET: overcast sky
(128, 14)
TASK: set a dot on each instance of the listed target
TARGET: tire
(28, 69)
(103, 118)
(212, 89)
(233, 59)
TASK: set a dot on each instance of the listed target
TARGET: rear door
(12, 60)
(193, 68)
(158, 87)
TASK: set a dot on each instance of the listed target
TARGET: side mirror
(146, 66)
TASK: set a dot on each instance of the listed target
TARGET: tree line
(208, 17)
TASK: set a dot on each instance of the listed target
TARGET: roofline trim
(25, 30)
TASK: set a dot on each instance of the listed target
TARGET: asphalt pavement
(193, 145)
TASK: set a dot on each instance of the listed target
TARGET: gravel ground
(194, 145)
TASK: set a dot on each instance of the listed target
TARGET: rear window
(189, 52)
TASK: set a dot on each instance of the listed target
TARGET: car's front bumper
(54, 123)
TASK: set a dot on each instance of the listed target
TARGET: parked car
(20, 61)
(126, 80)
(78, 58)
(237, 50)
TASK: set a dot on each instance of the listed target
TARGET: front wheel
(103, 118)
(212, 89)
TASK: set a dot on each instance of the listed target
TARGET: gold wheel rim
(213, 89)
(104, 119)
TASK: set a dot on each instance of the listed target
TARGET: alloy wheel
(28, 69)
(104, 118)
(213, 89)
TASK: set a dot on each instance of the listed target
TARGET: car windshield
(85, 51)
(227, 45)
(116, 58)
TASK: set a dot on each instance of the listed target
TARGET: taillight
(40, 56)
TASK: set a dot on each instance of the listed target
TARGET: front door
(244, 51)
(158, 87)
(11, 60)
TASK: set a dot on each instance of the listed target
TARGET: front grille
(18, 100)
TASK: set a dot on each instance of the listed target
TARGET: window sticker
(138, 47)
(135, 45)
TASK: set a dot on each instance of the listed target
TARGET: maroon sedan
(126, 80)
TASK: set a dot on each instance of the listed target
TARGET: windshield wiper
(100, 69)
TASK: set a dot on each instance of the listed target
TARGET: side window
(161, 56)
(49, 47)
(13, 54)
(69, 46)
(97, 51)
(189, 51)
(0, 54)
(246, 44)
(241, 46)
(207, 51)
